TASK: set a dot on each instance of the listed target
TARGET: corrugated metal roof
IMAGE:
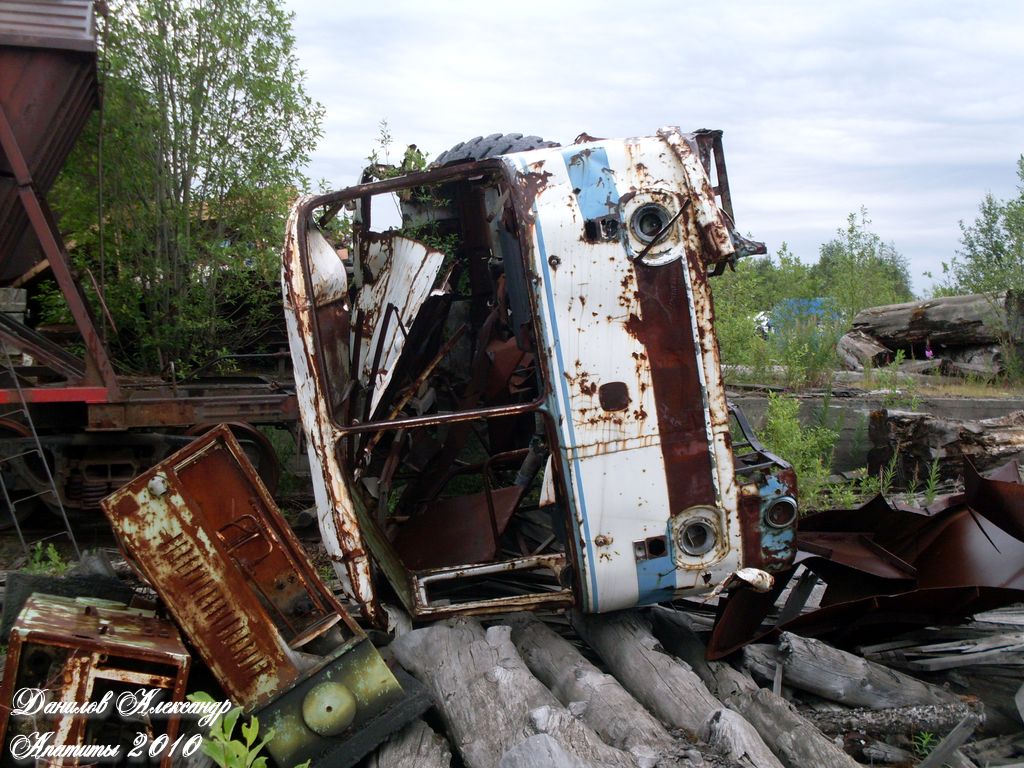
(67, 24)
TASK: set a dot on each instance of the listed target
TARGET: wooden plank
(944, 749)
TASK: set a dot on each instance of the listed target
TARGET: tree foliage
(204, 134)
(855, 269)
(991, 253)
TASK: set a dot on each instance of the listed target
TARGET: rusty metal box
(82, 651)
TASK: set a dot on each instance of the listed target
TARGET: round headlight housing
(648, 221)
(782, 513)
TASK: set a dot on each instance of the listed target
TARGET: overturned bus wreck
(512, 393)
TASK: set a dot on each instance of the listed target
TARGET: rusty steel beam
(98, 366)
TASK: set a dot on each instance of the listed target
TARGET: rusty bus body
(512, 395)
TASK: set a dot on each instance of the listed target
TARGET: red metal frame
(99, 370)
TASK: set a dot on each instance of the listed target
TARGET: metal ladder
(22, 410)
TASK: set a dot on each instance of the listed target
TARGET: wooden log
(541, 751)
(415, 746)
(934, 718)
(975, 319)
(595, 697)
(813, 666)
(937, 366)
(857, 350)
(488, 698)
(665, 685)
(989, 358)
(921, 438)
(729, 734)
(880, 752)
(794, 740)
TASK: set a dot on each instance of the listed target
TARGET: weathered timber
(415, 746)
(487, 697)
(921, 438)
(879, 752)
(857, 350)
(934, 718)
(541, 751)
(937, 366)
(794, 739)
(729, 734)
(971, 320)
(813, 666)
(597, 698)
(987, 358)
(946, 748)
(665, 685)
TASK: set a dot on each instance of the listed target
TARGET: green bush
(808, 449)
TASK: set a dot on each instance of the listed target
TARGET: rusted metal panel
(82, 651)
(206, 534)
(199, 526)
(653, 316)
(335, 505)
(47, 93)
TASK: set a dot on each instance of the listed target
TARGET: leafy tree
(857, 269)
(991, 254)
(204, 134)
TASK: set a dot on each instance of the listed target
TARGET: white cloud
(912, 109)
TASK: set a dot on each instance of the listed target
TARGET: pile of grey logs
(921, 439)
(634, 690)
(977, 336)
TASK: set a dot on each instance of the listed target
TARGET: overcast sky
(912, 109)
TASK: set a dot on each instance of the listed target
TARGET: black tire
(496, 144)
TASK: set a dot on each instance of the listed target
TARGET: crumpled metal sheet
(891, 567)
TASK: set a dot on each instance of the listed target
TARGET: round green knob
(329, 708)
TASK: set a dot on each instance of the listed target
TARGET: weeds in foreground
(887, 474)
(924, 743)
(808, 449)
(900, 392)
(228, 752)
(45, 561)
(931, 485)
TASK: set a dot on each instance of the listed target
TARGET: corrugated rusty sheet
(48, 89)
(205, 532)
